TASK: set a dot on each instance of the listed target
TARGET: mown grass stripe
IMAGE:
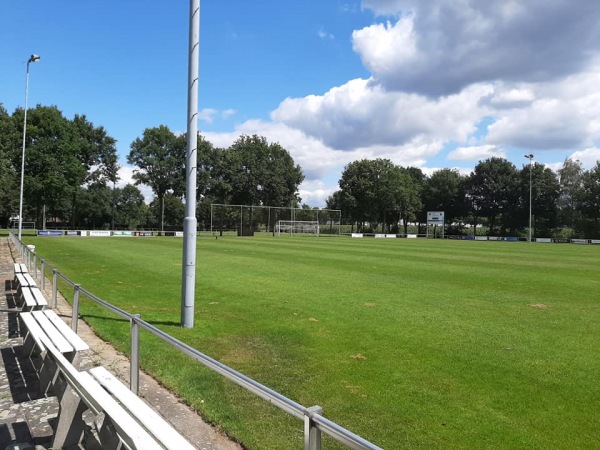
(496, 340)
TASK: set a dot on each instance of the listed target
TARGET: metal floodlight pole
(32, 58)
(188, 282)
(530, 158)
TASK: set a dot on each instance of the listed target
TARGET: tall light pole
(32, 58)
(190, 223)
(530, 158)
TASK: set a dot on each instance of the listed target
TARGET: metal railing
(314, 422)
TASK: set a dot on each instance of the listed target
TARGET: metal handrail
(315, 423)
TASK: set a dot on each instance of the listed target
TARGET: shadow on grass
(169, 323)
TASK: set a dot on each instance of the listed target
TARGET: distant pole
(530, 158)
(32, 58)
(188, 282)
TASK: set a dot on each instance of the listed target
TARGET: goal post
(246, 220)
(297, 227)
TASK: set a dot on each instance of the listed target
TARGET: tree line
(71, 172)
(379, 195)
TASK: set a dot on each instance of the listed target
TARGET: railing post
(54, 287)
(134, 368)
(43, 274)
(312, 435)
(75, 313)
(34, 265)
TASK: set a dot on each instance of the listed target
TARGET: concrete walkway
(26, 418)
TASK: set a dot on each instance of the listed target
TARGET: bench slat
(20, 268)
(52, 332)
(39, 297)
(28, 297)
(160, 428)
(67, 332)
(30, 280)
(22, 280)
(34, 329)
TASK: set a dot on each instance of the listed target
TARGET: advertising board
(99, 233)
(50, 233)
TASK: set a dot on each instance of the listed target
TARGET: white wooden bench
(30, 298)
(39, 325)
(20, 268)
(158, 427)
(28, 302)
(39, 298)
(21, 281)
(78, 392)
(29, 279)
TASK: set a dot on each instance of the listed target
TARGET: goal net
(247, 220)
(297, 227)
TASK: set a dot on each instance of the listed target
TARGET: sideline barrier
(314, 422)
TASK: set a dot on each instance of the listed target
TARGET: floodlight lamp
(33, 58)
(530, 156)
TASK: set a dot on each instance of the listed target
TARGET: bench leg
(74, 358)
(29, 347)
(50, 382)
(109, 439)
(70, 426)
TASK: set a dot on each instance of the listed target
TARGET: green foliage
(570, 179)
(377, 191)
(9, 203)
(444, 191)
(61, 156)
(130, 208)
(590, 201)
(261, 173)
(173, 213)
(492, 188)
(160, 160)
(497, 341)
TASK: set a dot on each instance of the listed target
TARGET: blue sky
(433, 84)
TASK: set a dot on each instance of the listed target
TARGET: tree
(357, 189)
(544, 197)
(403, 198)
(61, 156)
(171, 211)
(374, 191)
(213, 182)
(419, 179)
(571, 184)
(259, 173)
(95, 206)
(444, 191)
(589, 202)
(53, 168)
(340, 200)
(130, 208)
(9, 200)
(492, 189)
(160, 159)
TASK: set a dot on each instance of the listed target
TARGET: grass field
(409, 343)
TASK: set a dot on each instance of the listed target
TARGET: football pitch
(408, 343)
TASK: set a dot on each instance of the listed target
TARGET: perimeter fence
(314, 422)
